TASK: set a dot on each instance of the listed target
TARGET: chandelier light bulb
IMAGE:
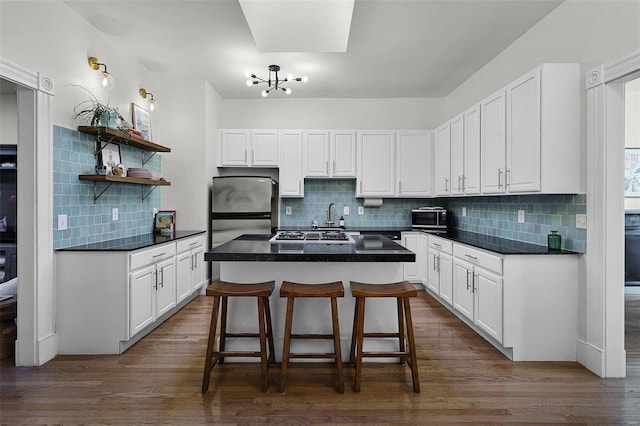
(249, 83)
(274, 81)
(265, 93)
(290, 77)
(287, 90)
(304, 79)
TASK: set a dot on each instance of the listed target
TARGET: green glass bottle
(554, 241)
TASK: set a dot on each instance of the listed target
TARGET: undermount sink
(328, 228)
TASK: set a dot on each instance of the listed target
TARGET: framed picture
(632, 172)
(110, 154)
(141, 120)
(165, 222)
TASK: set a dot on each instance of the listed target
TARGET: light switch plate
(464, 212)
(581, 221)
(345, 210)
(114, 213)
(360, 210)
(520, 216)
(287, 210)
(62, 222)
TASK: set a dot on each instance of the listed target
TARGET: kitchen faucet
(330, 222)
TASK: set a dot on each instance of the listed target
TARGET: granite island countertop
(256, 247)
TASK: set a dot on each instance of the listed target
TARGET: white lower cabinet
(412, 269)
(108, 300)
(440, 268)
(523, 304)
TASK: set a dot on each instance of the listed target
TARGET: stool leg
(287, 344)
(412, 346)
(263, 345)
(223, 327)
(361, 305)
(401, 343)
(272, 350)
(336, 343)
(354, 335)
(208, 363)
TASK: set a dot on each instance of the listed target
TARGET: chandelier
(274, 82)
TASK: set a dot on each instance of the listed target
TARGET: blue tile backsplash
(89, 222)
(492, 215)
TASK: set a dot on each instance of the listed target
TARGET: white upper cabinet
(530, 133)
(414, 163)
(375, 164)
(471, 176)
(330, 153)
(457, 155)
(291, 164)
(442, 166)
(239, 148)
(493, 143)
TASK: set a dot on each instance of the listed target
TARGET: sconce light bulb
(152, 105)
(107, 80)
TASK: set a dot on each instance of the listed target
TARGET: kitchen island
(253, 258)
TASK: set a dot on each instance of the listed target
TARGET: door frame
(601, 347)
(37, 341)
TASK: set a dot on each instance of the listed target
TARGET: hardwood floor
(463, 380)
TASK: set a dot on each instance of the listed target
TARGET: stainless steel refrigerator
(242, 205)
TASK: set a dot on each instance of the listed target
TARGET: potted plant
(98, 113)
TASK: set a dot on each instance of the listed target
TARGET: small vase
(554, 241)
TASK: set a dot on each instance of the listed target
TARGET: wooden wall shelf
(120, 136)
(110, 180)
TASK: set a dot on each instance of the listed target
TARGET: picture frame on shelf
(632, 172)
(109, 155)
(165, 222)
(141, 121)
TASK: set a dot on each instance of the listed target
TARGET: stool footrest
(243, 335)
(384, 354)
(226, 354)
(396, 335)
(312, 355)
(312, 336)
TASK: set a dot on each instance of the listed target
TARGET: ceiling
(396, 48)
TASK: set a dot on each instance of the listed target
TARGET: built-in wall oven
(429, 218)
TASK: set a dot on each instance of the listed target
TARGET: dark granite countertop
(351, 228)
(256, 247)
(132, 243)
(497, 244)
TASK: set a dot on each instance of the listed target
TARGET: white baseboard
(47, 348)
(591, 357)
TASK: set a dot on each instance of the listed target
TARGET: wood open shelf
(120, 136)
(121, 179)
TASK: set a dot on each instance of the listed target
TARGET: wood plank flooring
(463, 380)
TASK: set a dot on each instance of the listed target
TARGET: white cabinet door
(291, 164)
(489, 304)
(142, 299)
(492, 144)
(234, 148)
(523, 133)
(433, 280)
(442, 166)
(165, 286)
(411, 269)
(445, 268)
(457, 155)
(343, 153)
(183, 275)
(471, 178)
(423, 252)
(197, 273)
(376, 174)
(463, 287)
(316, 153)
(413, 164)
(264, 148)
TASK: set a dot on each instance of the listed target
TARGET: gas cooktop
(321, 237)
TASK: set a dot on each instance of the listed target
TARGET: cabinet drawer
(441, 244)
(152, 255)
(479, 258)
(188, 244)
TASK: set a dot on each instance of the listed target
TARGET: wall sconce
(107, 79)
(152, 102)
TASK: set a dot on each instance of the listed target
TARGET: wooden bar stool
(224, 290)
(402, 291)
(294, 290)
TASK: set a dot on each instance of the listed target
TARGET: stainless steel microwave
(429, 218)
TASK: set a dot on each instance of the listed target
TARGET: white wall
(8, 119)
(283, 113)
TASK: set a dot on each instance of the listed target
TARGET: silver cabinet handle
(439, 258)
(499, 178)
(253, 156)
(334, 167)
(459, 177)
(436, 244)
(155, 280)
(299, 187)
(159, 255)
(434, 262)
(245, 155)
(468, 279)
(192, 262)
(326, 167)
(473, 286)
(507, 174)
(463, 183)
(194, 244)
(162, 277)
(446, 184)
(399, 187)
(471, 257)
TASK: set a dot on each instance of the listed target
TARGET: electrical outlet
(62, 222)
(345, 210)
(114, 213)
(520, 216)
(287, 210)
(581, 221)
(464, 212)
(360, 210)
